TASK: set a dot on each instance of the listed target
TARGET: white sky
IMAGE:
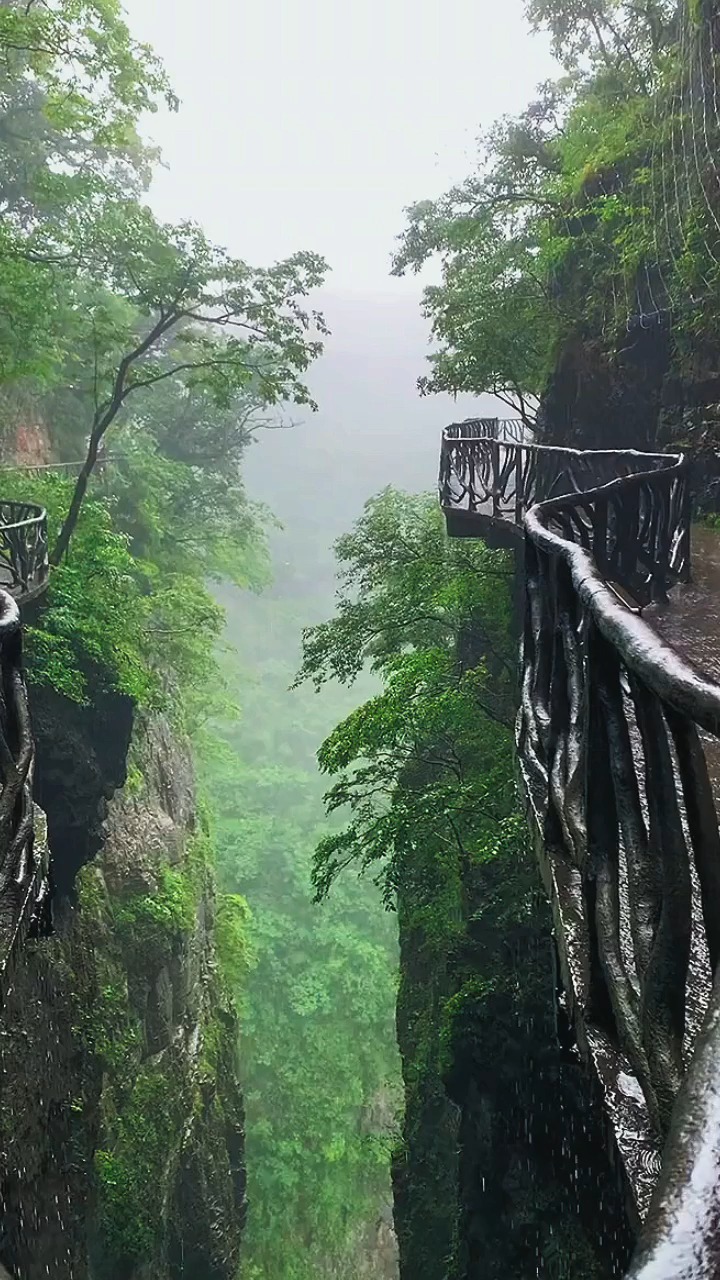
(311, 124)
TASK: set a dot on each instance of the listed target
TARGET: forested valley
(292, 1010)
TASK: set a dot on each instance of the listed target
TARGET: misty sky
(312, 124)
(308, 124)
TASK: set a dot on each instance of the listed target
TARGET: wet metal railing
(610, 741)
(24, 885)
(501, 478)
(24, 870)
(23, 549)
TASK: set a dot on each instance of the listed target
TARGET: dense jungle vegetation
(579, 286)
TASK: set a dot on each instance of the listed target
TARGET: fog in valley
(349, 116)
(372, 428)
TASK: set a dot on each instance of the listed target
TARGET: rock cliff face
(502, 1169)
(121, 1119)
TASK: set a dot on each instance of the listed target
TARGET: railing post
(684, 567)
(680, 1239)
(495, 473)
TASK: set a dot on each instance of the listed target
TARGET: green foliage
(92, 615)
(191, 518)
(159, 1104)
(103, 305)
(318, 1043)
(424, 783)
(695, 7)
(73, 84)
(613, 35)
(108, 618)
(108, 1028)
(587, 218)
(427, 759)
(134, 782)
(111, 318)
(154, 919)
(131, 1176)
(232, 940)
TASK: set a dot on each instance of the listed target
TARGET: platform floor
(691, 623)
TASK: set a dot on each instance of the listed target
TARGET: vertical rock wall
(121, 1118)
(502, 1171)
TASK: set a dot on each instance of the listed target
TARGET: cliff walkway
(24, 870)
(24, 858)
(618, 738)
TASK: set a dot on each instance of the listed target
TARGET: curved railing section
(611, 740)
(495, 480)
(23, 549)
(24, 870)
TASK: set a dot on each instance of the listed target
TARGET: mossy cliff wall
(121, 1119)
(502, 1171)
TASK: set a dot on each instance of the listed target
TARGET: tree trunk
(71, 519)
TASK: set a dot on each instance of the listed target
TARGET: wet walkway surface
(691, 622)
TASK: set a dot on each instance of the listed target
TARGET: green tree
(192, 315)
(623, 36)
(425, 762)
(73, 85)
(589, 223)
(101, 299)
(424, 797)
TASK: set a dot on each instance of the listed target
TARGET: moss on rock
(125, 1041)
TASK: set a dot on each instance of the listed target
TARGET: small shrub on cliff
(153, 920)
(234, 949)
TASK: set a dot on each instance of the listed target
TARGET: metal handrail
(24, 861)
(24, 561)
(24, 869)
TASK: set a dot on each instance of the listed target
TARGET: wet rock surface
(504, 1167)
(121, 1117)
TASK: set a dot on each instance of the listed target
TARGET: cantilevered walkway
(24, 870)
(617, 737)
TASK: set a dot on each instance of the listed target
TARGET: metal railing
(69, 469)
(611, 743)
(23, 549)
(24, 870)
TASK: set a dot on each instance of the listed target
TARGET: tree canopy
(101, 301)
(114, 321)
(425, 761)
(592, 216)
